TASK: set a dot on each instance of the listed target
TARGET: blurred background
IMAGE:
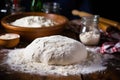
(108, 9)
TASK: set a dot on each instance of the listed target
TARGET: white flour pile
(9, 36)
(34, 21)
(89, 38)
(50, 55)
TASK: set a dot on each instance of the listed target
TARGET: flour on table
(51, 55)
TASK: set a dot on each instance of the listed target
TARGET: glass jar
(11, 7)
(89, 33)
(17, 8)
(51, 7)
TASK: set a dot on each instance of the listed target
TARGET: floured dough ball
(57, 49)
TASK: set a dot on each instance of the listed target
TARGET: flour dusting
(18, 61)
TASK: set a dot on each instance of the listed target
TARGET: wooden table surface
(111, 73)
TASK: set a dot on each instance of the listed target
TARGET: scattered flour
(34, 21)
(19, 61)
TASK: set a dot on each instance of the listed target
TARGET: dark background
(108, 9)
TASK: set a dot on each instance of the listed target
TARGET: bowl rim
(9, 26)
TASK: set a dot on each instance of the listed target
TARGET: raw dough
(57, 49)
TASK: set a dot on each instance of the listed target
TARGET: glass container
(51, 7)
(89, 33)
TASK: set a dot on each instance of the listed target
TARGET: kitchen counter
(111, 73)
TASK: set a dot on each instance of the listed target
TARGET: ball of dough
(57, 49)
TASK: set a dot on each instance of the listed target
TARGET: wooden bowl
(9, 40)
(30, 33)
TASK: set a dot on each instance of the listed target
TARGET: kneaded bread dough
(57, 49)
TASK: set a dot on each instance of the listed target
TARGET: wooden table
(111, 73)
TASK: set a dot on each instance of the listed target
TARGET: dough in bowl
(57, 50)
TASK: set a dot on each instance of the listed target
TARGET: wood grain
(101, 19)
